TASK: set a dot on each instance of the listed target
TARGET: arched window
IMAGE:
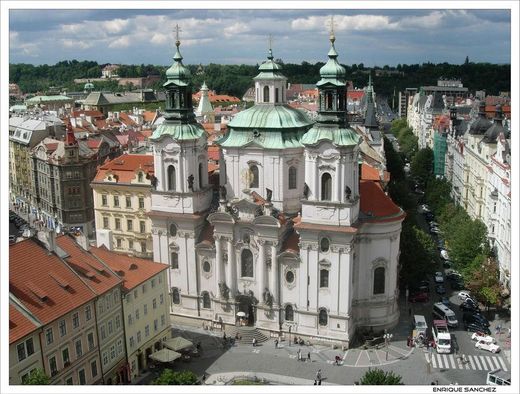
(324, 244)
(254, 176)
(379, 280)
(176, 298)
(206, 301)
(174, 260)
(328, 101)
(324, 278)
(289, 313)
(171, 177)
(276, 95)
(247, 263)
(266, 94)
(323, 317)
(201, 171)
(206, 266)
(173, 230)
(292, 177)
(140, 177)
(326, 187)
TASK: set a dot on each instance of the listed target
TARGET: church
(295, 241)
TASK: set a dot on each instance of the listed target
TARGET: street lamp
(387, 338)
(290, 335)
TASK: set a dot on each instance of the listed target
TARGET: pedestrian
(309, 356)
(318, 375)
(254, 342)
(276, 343)
(319, 382)
(315, 383)
(299, 355)
(224, 336)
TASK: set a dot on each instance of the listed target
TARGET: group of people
(302, 358)
(300, 341)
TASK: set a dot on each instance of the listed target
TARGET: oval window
(289, 277)
(206, 266)
(324, 244)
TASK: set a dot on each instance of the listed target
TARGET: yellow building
(122, 200)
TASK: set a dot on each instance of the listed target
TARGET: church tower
(331, 194)
(181, 194)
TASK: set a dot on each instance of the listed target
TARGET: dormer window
(140, 177)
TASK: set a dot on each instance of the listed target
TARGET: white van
(442, 312)
(419, 324)
(498, 377)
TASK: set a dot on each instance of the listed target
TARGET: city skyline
(368, 36)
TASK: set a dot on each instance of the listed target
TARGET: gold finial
(332, 37)
(177, 30)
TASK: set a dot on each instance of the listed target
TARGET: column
(274, 274)
(218, 261)
(260, 269)
(230, 268)
(338, 182)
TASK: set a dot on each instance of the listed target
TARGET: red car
(419, 297)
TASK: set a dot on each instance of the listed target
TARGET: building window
(116, 201)
(129, 225)
(173, 230)
(161, 299)
(147, 331)
(90, 340)
(141, 202)
(324, 244)
(292, 177)
(93, 368)
(176, 299)
(49, 336)
(379, 280)
(163, 320)
(323, 317)
(289, 313)
(128, 202)
(118, 224)
(247, 263)
(254, 176)
(63, 328)
(206, 266)
(276, 92)
(206, 302)
(153, 283)
(201, 173)
(69, 381)
(143, 247)
(154, 303)
(174, 260)
(118, 243)
(145, 309)
(53, 366)
(132, 344)
(20, 348)
(138, 336)
(110, 327)
(326, 187)
(131, 244)
(140, 177)
(171, 178)
(130, 320)
(88, 313)
(266, 94)
(324, 278)
(118, 322)
(82, 377)
(65, 356)
(155, 325)
(104, 200)
(79, 348)
(142, 226)
(289, 277)
(105, 222)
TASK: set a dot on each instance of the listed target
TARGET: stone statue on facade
(191, 178)
(306, 191)
(348, 193)
(269, 194)
(223, 193)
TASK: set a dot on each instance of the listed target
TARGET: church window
(323, 317)
(326, 187)
(206, 266)
(206, 301)
(173, 230)
(266, 94)
(276, 92)
(247, 263)
(289, 276)
(254, 176)
(171, 177)
(324, 244)
(324, 278)
(289, 313)
(379, 280)
(292, 177)
(140, 177)
(176, 299)
(174, 260)
(201, 172)
(328, 101)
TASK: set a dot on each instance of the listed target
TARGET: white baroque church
(295, 241)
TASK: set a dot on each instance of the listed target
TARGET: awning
(178, 343)
(165, 355)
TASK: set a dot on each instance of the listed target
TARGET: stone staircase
(247, 334)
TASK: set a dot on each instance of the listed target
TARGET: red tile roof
(214, 152)
(93, 113)
(125, 119)
(355, 95)
(369, 173)
(149, 116)
(125, 167)
(375, 203)
(19, 325)
(95, 273)
(43, 283)
(132, 270)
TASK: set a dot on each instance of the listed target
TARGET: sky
(372, 36)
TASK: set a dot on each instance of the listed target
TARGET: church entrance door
(245, 304)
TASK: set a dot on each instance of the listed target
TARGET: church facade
(295, 241)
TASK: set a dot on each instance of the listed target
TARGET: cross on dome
(177, 30)
(270, 40)
(332, 36)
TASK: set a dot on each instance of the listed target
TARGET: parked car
(480, 336)
(453, 275)
(463, 295)
(440, 289)
(429, 216)
(444, 254)
(419, 297)
(446, 301)
(435, 230)
(490, 347)
(476, 327)
(471, 317)
(469, 307)
(439, 278)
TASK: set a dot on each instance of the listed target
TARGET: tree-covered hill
(235, 79)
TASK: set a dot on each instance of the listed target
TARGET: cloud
(115, 25)
(121, 42)
(345, 22)
(235, 28)
(67, 43)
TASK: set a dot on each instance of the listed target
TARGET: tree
(394, 163)
(170, 377)
(438, 194)
(422, 164)
(379, 377)
(483, 279)
(37, 377)
(417, 252)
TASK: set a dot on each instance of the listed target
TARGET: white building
(296, 241)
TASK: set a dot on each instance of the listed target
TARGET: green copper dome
(332, 72)
(338, 136)
(270, 117)
(178, 132)
(177, 73)
(270, 69)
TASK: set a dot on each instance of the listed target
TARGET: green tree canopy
(422, 164)
(37, 377)
(170, 377)
(417, 252)
(379, 377)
